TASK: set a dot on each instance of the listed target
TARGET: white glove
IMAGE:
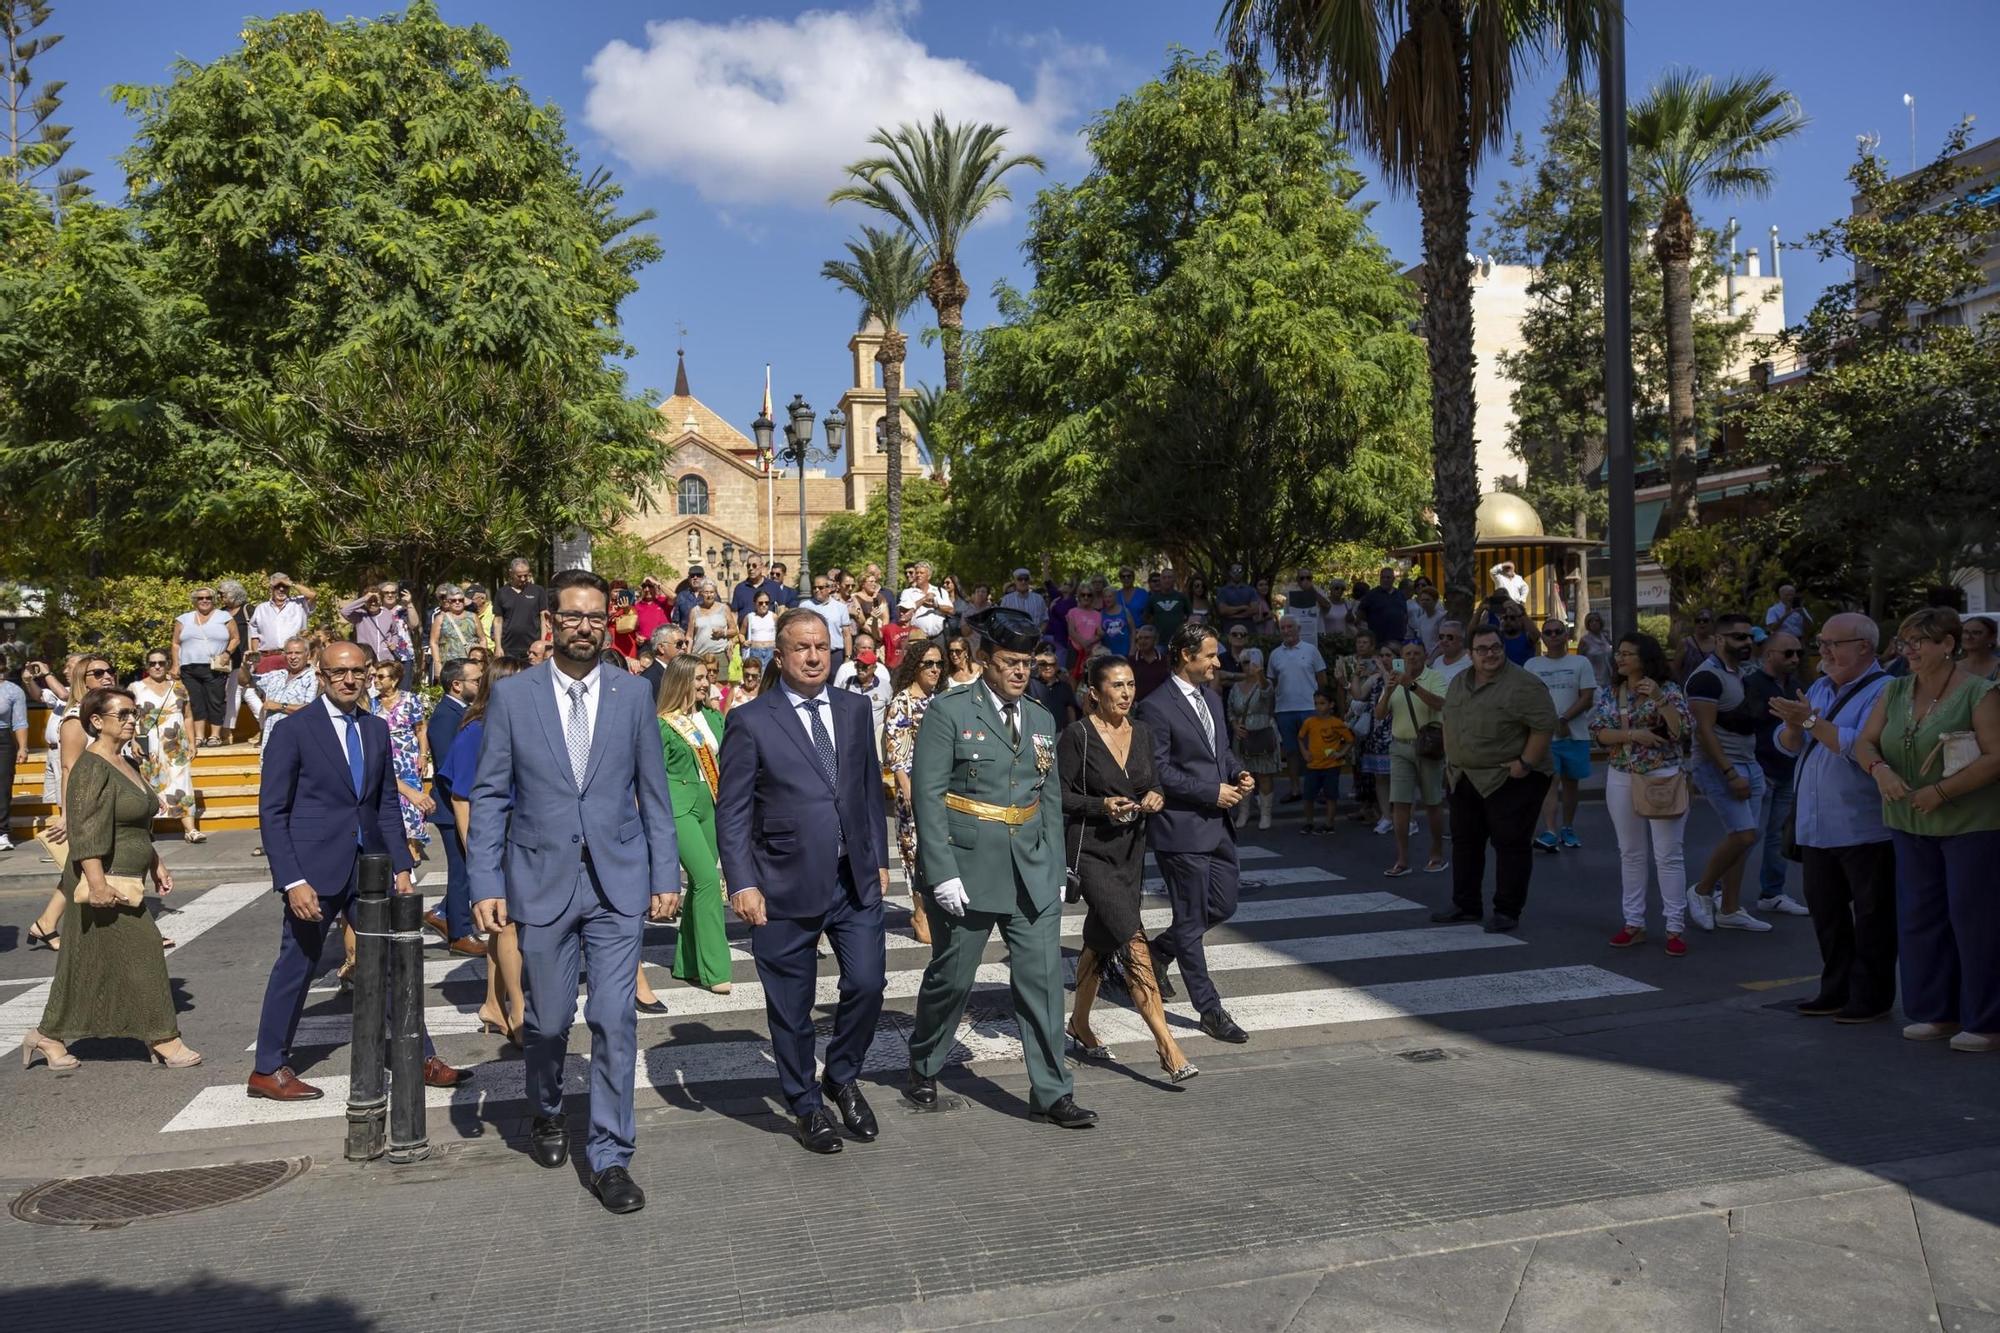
(951, 896)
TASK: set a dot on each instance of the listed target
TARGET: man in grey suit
(572, 841)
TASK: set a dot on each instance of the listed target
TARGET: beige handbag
(1960, 749)
(129, 890)
(1659, 795)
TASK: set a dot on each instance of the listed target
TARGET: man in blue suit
(1193, 839)
(571, 839)
(460, 679)
(326, 797)
(801, 831)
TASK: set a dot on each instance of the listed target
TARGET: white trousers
(1634, 832)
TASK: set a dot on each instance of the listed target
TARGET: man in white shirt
(1789, 615)
(1505, 578)
(278, 619)
(1306, 604)
(928, 606)
(1572, 686)
(1022, 597)
(839, 621)
(865, 677)
(1451, 657)
(1296, 670)
(1425, 616)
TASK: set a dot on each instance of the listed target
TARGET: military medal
(1045, 753)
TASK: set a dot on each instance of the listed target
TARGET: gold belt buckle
(1011, 815)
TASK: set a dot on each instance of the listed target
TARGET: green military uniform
(1011, 864)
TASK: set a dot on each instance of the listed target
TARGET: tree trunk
(1673, 246)
(1444, 199)
(894, 346)
(945, 286)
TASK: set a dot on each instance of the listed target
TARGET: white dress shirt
(804, 715)
(591, 693)
(1197, 701)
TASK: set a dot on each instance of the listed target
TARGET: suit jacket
(530, 824)
(778, 820)
(685, 783)
(1188, 770)
(440, 729)
(306, 807)
(964, 747)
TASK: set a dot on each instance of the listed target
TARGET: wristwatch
(1812, 720)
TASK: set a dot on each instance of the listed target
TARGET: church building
(717, 499)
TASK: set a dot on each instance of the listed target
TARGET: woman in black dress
(1106, 762)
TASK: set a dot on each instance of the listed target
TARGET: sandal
(1086, 1049)
(1396, 871)
(39, 939)
(1183, 1074)
(194, 835)
(1436, 866)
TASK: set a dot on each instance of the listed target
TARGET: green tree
(623, 557)
(1426, 85)
(1215, 361)
(851, 540)
(1550, 218)
(937, 181)
(36, 144)
(1689, 136)
(886, 270)
(1882, 451)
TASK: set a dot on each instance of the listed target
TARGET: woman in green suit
(691, 734)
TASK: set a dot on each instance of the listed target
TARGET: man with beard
(572, 840)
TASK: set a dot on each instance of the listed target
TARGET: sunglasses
(121, 714)
(931, 664)
(156, 661)
(96, 673)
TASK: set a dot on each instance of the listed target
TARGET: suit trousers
(1948, 920)
(1507, 820)
(1034, 974)
(587, 933)
(300, 948)
(1851, 893)
(788, 965)
(1202, 887)
(457, 887)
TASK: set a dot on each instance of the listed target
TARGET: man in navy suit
(326, 797)
(571, 839)
(804, 850)
(1193, 839)
(460, 679)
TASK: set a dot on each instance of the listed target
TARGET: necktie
(354, 752)
(576, 732)
(1012, 711)
(823, 741)
(1207, 720)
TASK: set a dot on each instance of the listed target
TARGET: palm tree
(937, 182)
(927, 407)
(1689, 136)
(887, 273)
(1425, 85)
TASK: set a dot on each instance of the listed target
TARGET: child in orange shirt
(1327, 742)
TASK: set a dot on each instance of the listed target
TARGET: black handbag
(1430, 736)
(1790, 848)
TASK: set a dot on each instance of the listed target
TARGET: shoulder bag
(1789, 848)
(1659, 795)
(1430, 736)
(1072, 880)
(1257, 744)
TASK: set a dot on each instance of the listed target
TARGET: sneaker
(1783, 904)
(1975, 1042)
(1628, 936)
(1929, 1031)
(1546, 841)
(1702, 908)
(1676, 947)
(1381, 826)
(6, 843)
(1740, 919)
(1569, 838)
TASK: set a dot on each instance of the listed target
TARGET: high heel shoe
(499, 1029)
(1181, 1075)
(1087, 1050)
(51, 1052)
(186, 1058)
(720, 988)
(41, 939)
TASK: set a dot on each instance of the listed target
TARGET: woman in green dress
(691, 735)
(111, 980)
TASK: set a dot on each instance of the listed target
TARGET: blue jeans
(1779, 798)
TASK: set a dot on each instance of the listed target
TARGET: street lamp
(729, 561)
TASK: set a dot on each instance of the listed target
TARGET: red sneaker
(1628, 936)
(1676, 947)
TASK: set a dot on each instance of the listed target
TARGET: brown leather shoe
(437, 923)
(470, 945)
(283, 1086)
(438, 1074)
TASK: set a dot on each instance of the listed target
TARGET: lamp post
(729, 562)
(1621, 531)
(797, 451)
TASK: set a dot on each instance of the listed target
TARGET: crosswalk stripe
(20, 1015)
(452, 1020)
(981, 1041)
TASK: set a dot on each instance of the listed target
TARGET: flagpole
(770, 486)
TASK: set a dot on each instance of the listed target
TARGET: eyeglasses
(345, 673)
(595, 619)
(1485, 647)
(121, 714)
(1825, 645)
(931, 664)
(956, 650)
(156, 661)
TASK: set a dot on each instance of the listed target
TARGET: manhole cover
(113, 1201)
(1422, 1057)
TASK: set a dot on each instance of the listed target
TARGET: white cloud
(769, 111)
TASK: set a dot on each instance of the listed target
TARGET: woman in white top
(168, 762)
(711, 627)
(203, 637)
(760, 634)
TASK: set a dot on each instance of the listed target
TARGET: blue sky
(732, 121)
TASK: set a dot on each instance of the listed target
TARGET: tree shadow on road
(206, 1302)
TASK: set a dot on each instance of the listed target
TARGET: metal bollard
(367, 1082)
(408, 1139)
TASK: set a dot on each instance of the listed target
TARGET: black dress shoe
(1852, 1015)
(548, 1140)
(655, 1006)
(1218, 1024)
(1160, 964)
(617, 1191)
(817, 1133)
(854, 1109)
(1064, 1113)
(1819, 1006)
(922, 1089)
(1452, 916)
(1500, 923)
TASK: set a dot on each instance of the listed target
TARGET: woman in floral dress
(1378, 736)
(409, 750)
(168, 762)
(916, 684)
